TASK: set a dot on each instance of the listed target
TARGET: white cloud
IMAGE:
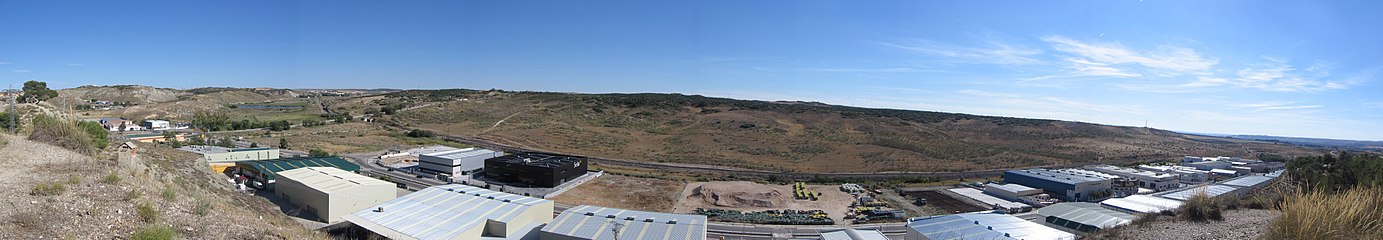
(1277, 75)
(1374, 104)
(991, 52)
(982, 93)
(3, 63)
(74, 64)
(20, 70)
(1276, 105)
(872, 70)
(1166, 60)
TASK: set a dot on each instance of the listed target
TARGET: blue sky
(1289, 68)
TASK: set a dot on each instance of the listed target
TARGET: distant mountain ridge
(1315, 142)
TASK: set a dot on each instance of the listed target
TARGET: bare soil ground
(351, 137)
(750, 196)
(1238, 224)
(99, 197)
(643, 194)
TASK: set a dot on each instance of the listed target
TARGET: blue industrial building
(1061, 184)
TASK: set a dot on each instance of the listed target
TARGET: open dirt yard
(750, 196)
(643, 194)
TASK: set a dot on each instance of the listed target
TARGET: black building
(535, 169)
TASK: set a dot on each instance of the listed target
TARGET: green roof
(271, 167)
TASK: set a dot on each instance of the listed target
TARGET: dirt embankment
(53, 193)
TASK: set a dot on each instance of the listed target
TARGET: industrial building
(1065, 185)
(1186, 175)
(854, 234)
(1266, 167)
(330, 193)
(993, 202)
(153, 137)
(456, 162)
(592, 223)
(1011, 192)
(1146, 179)
(981, 226)
(455, 211)
(221, 158)
(1208, 165)
(1207, 190)
(535, 169)
(1141, 204)
(265, 172)
(156, 124)
(1083, 216)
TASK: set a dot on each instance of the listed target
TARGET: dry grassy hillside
(787, 136)
(53, 193)
(123, 93)
(165, 103)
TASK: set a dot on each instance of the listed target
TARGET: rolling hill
(150, 102)
(785, 136)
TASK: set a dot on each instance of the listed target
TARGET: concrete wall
(304, 197)
(330, 207)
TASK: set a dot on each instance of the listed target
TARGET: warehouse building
(981, 226)
(854, 234)
(1207, 190)
(264, 172)
(995, 203)
(1141, 204)
(1065, 185)
(455, 212)
(592, 223)
(330, 193)
(221, 158)
(1208, 165)
(153, 137)
(1186, 175)
(535, 169)
(456, 162)
(1083, 216)
(1146, 179)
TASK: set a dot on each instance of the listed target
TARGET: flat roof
(1091, 214)
(443, 212)
(461, 153)
(329, 179)
(1142, 203)
(270, 168)
(591, 222)
(1207, 190)
(987, 199)
(854, 234)
(1057, 176)
(984, 226)
(1129, 171)
(1224, 171)
(538, 159)
(1011, 187)
(199, 149)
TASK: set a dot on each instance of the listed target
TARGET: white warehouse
(330, 192)
(1146, 179)
(456, 162)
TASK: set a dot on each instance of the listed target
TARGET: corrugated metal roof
(270, 168)
(987, 199)
(1142, 203)
(1091, 214)
(591, 222)
(443, 212)
(1012, 187)
(461, 153)
(1208, 190)
(1247, 181)
(1057, 176)
(329, 179)
(854, 234)
(985, 226)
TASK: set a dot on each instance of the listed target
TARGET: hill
(1317, 142)
(783, 136)
(143, 102)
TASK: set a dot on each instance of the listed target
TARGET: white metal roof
(1223, 171)
(1012, 187)
(461, 153)
(1207, 190)
(1247, 181)
(329, 179)
(1142, 203)
(591, 222)
(854, 234)
(987, 199)
(443, 212)
(1087, 213)
(985, 226)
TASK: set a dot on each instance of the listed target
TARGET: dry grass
(615, 191)
(1353, 214)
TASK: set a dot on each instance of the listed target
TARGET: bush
(5, 122)
(146, 212)
(202, 209)
(318, 153)
(133, 194)
(48, 189)
(1352, 214)
(111, 178)
(154, 233)
(99, 135)
(419, 133)
(169, 195)
(1200, 208)
(65, 134)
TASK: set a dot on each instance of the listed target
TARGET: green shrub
(65, 134)
(99, 135)
(202, 209)
(133, 194)
(169, 194)
(111, 178)
(146, 212)
(48, 189)
(154, 233)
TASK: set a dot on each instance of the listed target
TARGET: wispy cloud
(4, 62)
(1276, 105)
(982, 93)
(873, 70)
(989, 52)
(20, 70)
(1372, 104)
(1277, 75)
(1165, 60)
(74, 64)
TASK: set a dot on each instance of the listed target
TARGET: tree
(318, 153)
(36, 91)
(283, 143)
(98, 133)
(254, 144)
(419, 133)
